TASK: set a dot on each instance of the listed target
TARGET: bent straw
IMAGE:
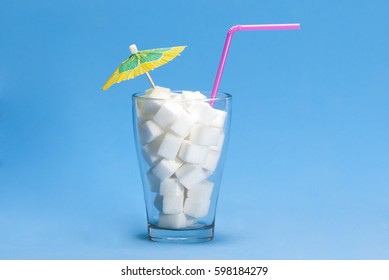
(236, 28)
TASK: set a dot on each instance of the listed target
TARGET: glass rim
(220, 96)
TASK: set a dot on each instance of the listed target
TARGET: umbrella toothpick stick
(150, 80)
(134, 50)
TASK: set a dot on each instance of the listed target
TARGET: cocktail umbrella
(140, 62)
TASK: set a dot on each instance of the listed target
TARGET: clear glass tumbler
(181, 142)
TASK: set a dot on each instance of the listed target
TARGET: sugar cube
(174, 221)
(143, 117)
(152, 100)
(160, 93)
(193, 153)
(193, 95)
(220, 119)
(171, 187)
(201, 191)
(149, 131)
(153, 181)
(165, 168)
(172, 204)
(196, 208)
(205, 135)
(183, 124)
(211, 161)
(167, 114)
(219, 146)
(190, 175)
(196, 109)
(169, 147)
(148, 91)
(190, 221)
(149, 151)
(158, 202)
(208, 115)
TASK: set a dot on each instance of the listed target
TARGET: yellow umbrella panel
(141, 62)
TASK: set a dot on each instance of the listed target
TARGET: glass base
(192, 235)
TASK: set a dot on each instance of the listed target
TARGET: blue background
(307, 170)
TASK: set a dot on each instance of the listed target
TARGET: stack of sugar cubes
(182, 137)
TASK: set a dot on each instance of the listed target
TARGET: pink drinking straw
(231, 31)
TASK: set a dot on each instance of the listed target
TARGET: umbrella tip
(133, 49)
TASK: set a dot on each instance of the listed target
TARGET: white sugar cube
(208, 173)
(169, 147)
(149, 151)
(149, 131)
(220, 119)
(149, 105)
(167, 114)
(196, 109)
(190, 221)
(172, 221)
(171, 187)
(183, 124)
(148, 91)
(193, 95)
(201, 191)
(153, 181)
(190, 175)
(204, 135)
(193, 153)
(172, 204)
(160, 93)
(208, 115)
(144, 106)
(144, 117)
(175, 95)
(158, 202)
(196, 208)
(165, 168)
(211, 161)
(219, 146)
